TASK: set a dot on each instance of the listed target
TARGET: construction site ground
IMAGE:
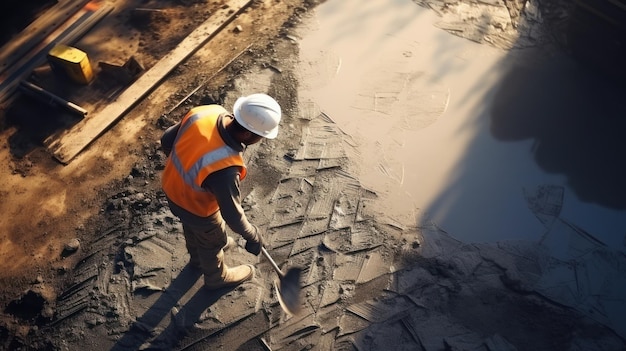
(395, 183)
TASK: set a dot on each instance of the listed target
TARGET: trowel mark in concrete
(581, 272)
(322, 205)
(409, 102)
(504, 24)
(290, 200)
(545, 201)
(381, 310)
(350, 323)
(293, 329)
(348, 267)
(355, 238)
(437, 329)
(318, 69)
(344, 211)
(373, 267)
(315, 272)
(393, 100)
(320, 140)
(244, 335)
(577, 268)
(305, 169)
(241, 303)
(311, 229)
(283, 235)
(395, 90)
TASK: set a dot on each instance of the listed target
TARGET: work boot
(232, 277)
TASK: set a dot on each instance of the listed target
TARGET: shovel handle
(269, 258)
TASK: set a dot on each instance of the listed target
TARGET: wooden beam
(67, 144)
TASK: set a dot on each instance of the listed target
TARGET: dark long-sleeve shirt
(224, 184)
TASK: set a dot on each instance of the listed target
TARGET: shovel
(289, 287)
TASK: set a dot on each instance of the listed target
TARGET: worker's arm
(224, 184)
(168, 138)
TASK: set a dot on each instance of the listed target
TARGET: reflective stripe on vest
(209, 158)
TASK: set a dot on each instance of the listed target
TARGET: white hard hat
(258, 113)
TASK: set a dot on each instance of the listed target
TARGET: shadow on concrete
(576, 119)
(142, 334)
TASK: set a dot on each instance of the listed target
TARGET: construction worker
(201, 181)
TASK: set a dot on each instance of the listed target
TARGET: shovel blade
(289, 291)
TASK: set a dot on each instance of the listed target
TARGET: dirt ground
(92, 258)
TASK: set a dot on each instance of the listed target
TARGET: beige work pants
(205, 246)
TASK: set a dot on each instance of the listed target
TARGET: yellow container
(71, 62)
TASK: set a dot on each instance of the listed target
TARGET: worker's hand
(253, 246)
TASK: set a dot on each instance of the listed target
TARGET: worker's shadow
(145, 330)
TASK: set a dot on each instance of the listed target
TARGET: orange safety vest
(198, 151)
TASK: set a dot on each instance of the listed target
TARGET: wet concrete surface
(508, 147)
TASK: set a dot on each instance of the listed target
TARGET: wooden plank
(67, 144)
(37, 31)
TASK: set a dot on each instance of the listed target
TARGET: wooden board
(67, 144)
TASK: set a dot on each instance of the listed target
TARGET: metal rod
(269, 258)
(52, 99)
